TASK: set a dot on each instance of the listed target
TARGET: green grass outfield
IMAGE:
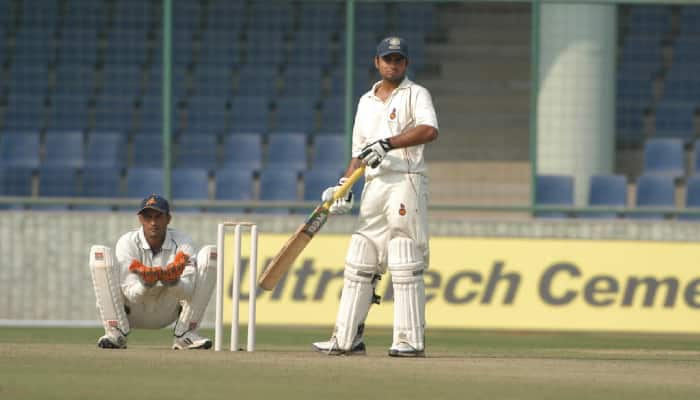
(63, 363)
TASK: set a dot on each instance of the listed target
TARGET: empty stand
(243, 151)
(654, 191)
(147, 151)
(554, 190)
(102, 182)
(278, 185)
(250, 114)
(664, 157)
(316, 180)
(57, 181)
(190, 184)
(296, 113)
(330, 152)
(286, 151)
(106, 149)
(16, 180)
(142, 181)
(233, 184)
(64, 149)
(607, 191)
(197, 150)
(20, 149)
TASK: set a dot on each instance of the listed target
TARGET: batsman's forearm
(415, 136)
(354, 164)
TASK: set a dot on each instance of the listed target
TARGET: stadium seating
(57, 181)
(197, 150)
(16, 180)
(190, 184)
(330, 152)
(233, 184)
(20, 149)
(554, 190)
(654, 191)
(64, 149)
(147, 151)
(607, 191)
(296, 113)
(664, 157)
(250, 114)
(675, 119)
(106, 149)
(100, 181)
(142, 181)
(286, 151)
(316, 180)
(692, 198)
(243, 151)
(278, 185)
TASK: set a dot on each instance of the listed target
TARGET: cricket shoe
(403, 349)
(331, 348)
(190, 341)
(113, 339)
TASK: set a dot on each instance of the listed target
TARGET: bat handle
(354, 177)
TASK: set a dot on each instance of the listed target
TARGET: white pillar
(576, 102)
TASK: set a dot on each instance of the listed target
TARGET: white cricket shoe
(403, 349)
(190, 341)
(113, 339)
(330, 347)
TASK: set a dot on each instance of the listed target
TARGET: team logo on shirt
(392, 116)
(402, 210)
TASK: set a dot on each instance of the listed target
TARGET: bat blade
(285, 258)
(290, 251)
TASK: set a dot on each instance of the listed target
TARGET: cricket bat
(297, 242)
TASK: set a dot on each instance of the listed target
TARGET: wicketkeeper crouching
(153, 279)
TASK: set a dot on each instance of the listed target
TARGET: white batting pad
(358, 288)
(405, 262)
(105, 279)
(193, 309)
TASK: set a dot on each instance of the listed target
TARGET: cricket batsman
(153, 279)
(394, 121)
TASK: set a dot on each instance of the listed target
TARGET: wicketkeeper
(153, 279)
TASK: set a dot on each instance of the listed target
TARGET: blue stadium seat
(265, 47)
(649, 20)
(654, 191)
(682, 83)
(320, 17)
(24, 113)
(303, 80)
(57, 181)
(695, 161)
(416, 17)
(100, 182)
(311, 48)
(206, 115)
(330, 152)
(257, 81)
(234, 184)
(296, 113)
(692, 198)
(20, 149)
(30, 79)
(629, 122)
(148, 151)
(197, 150)
(64, 149)
(278, 185)
(68, 113)
(150, 116)
(142, 181)
(675, 119)
(607, 191)
(554, 190)
(274, 17)
(106, 149)
(250, 114)
(664, 157)
(190, 184)
(243, 151)
(16, 180)
(316, 180)
(333, 114)
(286, 151)
(690, 21)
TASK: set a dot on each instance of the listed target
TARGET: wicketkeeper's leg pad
(193, 309)
(406, 265)
(105, 279)
(358, 290)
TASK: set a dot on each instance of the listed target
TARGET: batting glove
(374, 153)
(341, 206)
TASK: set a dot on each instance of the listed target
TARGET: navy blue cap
(391, 45)
(155, 202)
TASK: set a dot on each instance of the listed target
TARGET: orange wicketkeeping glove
(149, 275)
(172, 271)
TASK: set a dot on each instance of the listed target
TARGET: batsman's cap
(392, 44)
(155, 202)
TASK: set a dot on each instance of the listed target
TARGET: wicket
(236, 292)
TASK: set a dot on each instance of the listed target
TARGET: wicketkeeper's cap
(391, 45)
(155, 202)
